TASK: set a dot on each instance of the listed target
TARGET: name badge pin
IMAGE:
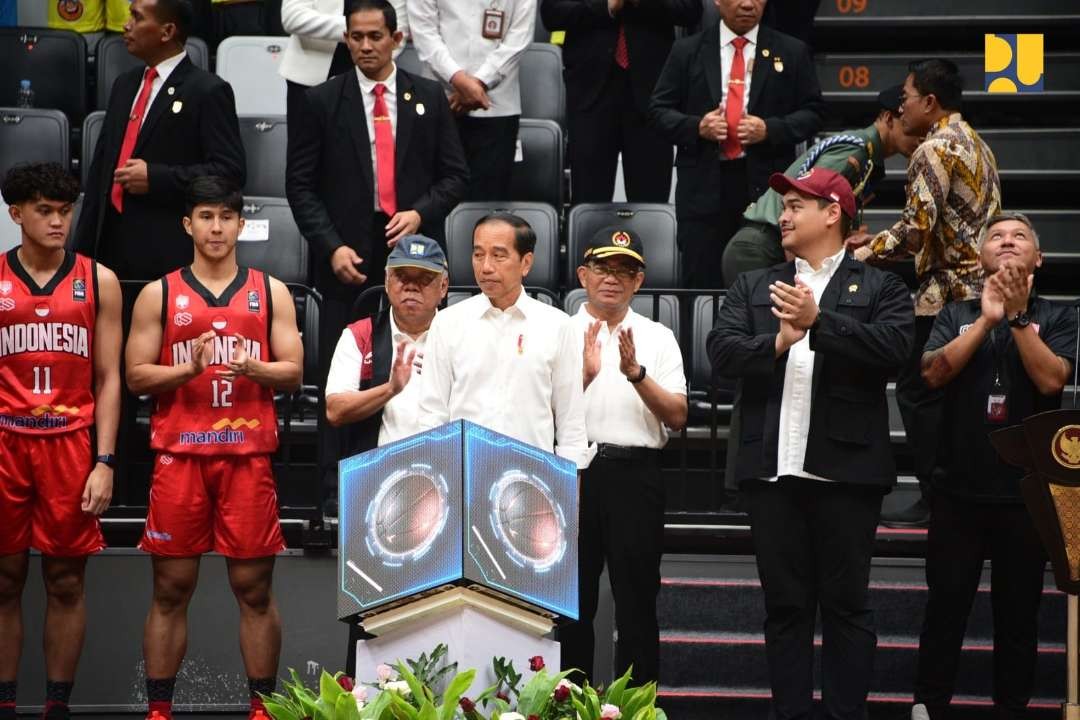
(420, 110)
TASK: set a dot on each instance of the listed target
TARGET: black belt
(618, 452)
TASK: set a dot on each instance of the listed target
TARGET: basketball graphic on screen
(407, 513)
(527, 520)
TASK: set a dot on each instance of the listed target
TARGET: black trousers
(920, 405)
(962, 535)
(703, 237)
(613, 124)
(489, 145)
(621, 523)
(813, 542)
(754, 246)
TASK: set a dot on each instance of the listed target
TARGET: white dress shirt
(400, 415)
(516, 371)
(614, 412)
(367, 91)
(799, 378)
(164, 70)
(447, 36)
(727, 57)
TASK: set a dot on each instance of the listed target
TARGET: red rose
(502, 696)
(562, 693)
(346, 683)
(467, 705)
(533, 717)
(536, 663)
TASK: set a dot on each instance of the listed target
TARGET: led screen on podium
(457, 505)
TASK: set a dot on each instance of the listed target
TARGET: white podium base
(474, 627)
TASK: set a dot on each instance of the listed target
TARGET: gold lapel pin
(171, 91)
(765, 52)
(407, 96)
(177, 106)
(852, 288)
(778, 64)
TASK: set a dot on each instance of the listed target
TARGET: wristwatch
(108, 459)
(1020, 320)
(639, 378)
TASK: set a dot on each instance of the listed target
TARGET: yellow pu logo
(1013, 63)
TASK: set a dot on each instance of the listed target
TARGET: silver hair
(1009, 215)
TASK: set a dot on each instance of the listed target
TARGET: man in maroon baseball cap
(812, 343)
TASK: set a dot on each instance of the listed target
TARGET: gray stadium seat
(265, 145)
(655, 223)
(54, 61)
(113, 60)
(701, 376)
(538, 176)
(250, 65)
(667, 310)
(1023, 153)
(91, 130)
(543, 94)
(544, 221)
(284, 253)
(33, 135)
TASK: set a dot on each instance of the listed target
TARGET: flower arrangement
(421, 690)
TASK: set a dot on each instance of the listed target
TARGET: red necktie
(131, 134)
(622, 55)
(733, 107)
(384, 153)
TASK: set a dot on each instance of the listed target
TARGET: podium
(1047, 446)
(458, 535)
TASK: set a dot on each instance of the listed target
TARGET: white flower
(511, 716)
(360, 693)
(401, 688)
(610, 712)
(384, 672)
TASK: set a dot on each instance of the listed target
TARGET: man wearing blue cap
(371, 387)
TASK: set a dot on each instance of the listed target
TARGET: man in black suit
(812, 343)
(612, 56)
(376, 157)
(166, 123)
(731, 138)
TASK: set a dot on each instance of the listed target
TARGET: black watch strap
(108, 459)
(1020, 320)
(639, 378)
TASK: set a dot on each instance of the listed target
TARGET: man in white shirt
(372, 386)
(635, 390)
(812, 344)
(502, 359)
(475, 49)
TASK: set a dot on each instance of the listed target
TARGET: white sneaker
(919, 712)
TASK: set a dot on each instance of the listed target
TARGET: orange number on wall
(845, 7)
(854, 76)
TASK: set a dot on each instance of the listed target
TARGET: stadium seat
(1022, 153)
(54, 61)
(91, 130)
(409, 61)
(538, 172)
(265, 145)
(113, 60)
(701, 378)
(544, 221)
(543, 95)
(271, 241)
(655, 223)
(250, 64)
(33, 135)
(667, 308)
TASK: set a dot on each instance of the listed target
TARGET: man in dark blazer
(612, 56)
(166, 123)
(351, 208)
(729, 140)
(812, 344)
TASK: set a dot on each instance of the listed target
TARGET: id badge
(493, 24)
(997, 408)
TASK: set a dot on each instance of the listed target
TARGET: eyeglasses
(905, 97)
(619, 272)
(422, 278)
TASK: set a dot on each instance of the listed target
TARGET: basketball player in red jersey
(212, 342)
(60, 343)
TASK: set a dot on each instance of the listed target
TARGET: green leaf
(454, 691)
(345, 708)
(536, 695)
(660, 714)
(637, 698)
(581, 710)
(279, 711)
(329, 688)
(322, 710)
(419, 692)
(614, 694)
(427, 711)
(401, 708)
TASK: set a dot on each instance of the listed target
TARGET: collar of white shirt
(828, 265)
(727, 35)
(628, 320)
(367, 85)
(396, 333)
(521, 306)
(166, 66)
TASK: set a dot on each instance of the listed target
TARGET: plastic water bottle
(25, 98)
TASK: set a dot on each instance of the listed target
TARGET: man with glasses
(953, 189)
(635, 390)
(371, 387)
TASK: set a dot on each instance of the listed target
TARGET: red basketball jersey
(212, 415)
(46, 337)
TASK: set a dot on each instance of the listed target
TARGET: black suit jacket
(788, 100)
(190, 130)
(589, 48)
(329, 176)
(865, 333)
